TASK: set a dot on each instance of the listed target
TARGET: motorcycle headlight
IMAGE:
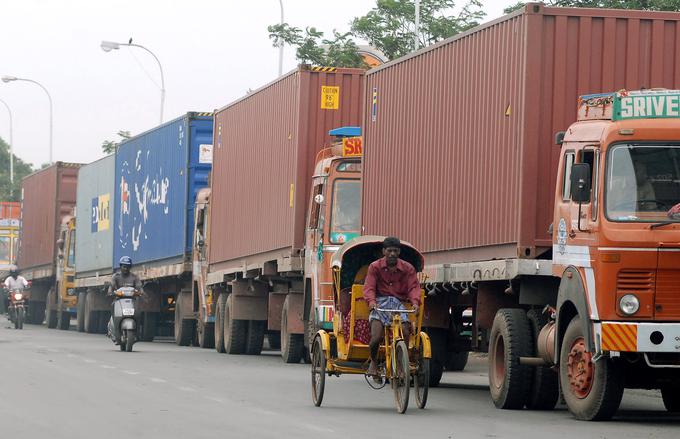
(629, 304)
(18, 296)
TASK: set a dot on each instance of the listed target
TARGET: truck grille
(639, 281)
(667, 294)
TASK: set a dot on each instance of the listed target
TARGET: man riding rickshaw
(377, 320)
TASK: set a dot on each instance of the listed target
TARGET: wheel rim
(318, 370)
(498, 362)
(580, 368)
(401, 378)
(421, 380)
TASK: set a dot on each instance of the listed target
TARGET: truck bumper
(638, 337)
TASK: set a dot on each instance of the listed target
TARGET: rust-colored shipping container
(265, 150)
(47, 195)
(461, 158)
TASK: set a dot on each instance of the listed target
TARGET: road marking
(131, 372)
(106, 366)
(158, 380)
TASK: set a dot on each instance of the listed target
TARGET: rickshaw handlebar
(407, 311)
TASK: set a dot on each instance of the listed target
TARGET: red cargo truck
(519, 231)
(46, 197)
(267, 227)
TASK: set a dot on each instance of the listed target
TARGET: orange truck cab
(616, 251)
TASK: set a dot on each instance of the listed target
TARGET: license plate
(128, 312)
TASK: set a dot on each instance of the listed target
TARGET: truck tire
(219, 323)
(51, 310)
(595, 393)
(184, 328)
(456, 361)
(36, 311)
(103, 318)
(80, 313)
(149, 326)
(235, 331)
(509, 381)
(545, 390)
(64, 320)
(439, 354)
(91, 318)
(206, 335)
(670, 393)
(255, 339)
(274, 340)
(292, 345)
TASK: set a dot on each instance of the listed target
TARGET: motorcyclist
(120, 279)
(13, 282)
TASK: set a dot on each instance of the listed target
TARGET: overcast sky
(212, 52)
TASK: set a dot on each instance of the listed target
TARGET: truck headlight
(629, 304)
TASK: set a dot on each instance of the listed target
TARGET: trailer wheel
(36, 311)
(91, 318)
(439, 353)
(206, 335)
(545, 390)
(184, 328)
(219, 323)
(102, 318)
(51, 310)
(292, 345)
(80, 313)
(510, 339)
(592, 390)
(274, 340)
(255, 338)
(64, 320)
(670, 393)
(235, 331)
(149, 326)
(456, 361)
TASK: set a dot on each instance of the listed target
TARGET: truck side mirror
(318, 199)
(580, 183)
(200, 243)
(60, 244)
(559, 138)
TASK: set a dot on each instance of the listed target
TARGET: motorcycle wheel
(129, 341)
(20, 318)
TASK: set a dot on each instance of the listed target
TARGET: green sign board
(646, 106)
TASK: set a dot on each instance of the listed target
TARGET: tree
(646, 5)
(512, 8)
(110, 146)
(388, 27)
(9, 192)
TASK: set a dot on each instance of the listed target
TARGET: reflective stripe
(591, 293)
(576, 255)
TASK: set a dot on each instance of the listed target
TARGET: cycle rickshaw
(345, 350)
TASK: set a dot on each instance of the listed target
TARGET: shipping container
(461, 158)
(158, 174)
(46, 197)
(95, 198)
(266, 147)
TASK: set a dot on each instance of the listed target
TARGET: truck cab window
(566, 180)
(588, 156)
(316, 208)
(71, 259)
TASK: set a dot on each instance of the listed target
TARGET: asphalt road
(62, 384)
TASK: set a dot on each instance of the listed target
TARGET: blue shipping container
(158, 174)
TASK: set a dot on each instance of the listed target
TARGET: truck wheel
(80, 313)
(255, 339)
(592, 390)
(274, 340)
(149, 326)
(91, 318)
(102, 318)
(439, 353)
(37, 312)
(64, 320)
(545, 390)
(510, 339)
(235, 331)
(670, 393)
(206, 335)
(219, 323)
(292, 345)
(184, 328)
(456, 361)
(51, 310)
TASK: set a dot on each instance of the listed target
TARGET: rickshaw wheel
(318, 371)
(421, 382)
(401, 376)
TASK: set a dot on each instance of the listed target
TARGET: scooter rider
(123, 278)
(13, 282)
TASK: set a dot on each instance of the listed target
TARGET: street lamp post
(49, 98)
(416, 42)
(108, 46)
(281, 44)
(11, 143)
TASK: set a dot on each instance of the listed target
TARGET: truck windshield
(345, 217)
(643, 182)
(5, 247)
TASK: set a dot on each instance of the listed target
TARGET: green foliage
(9, 192)
(110, 146)
(647, 5)
(389, 27)
(512, 8)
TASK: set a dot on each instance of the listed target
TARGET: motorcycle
(125, 318)
(16, 308)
